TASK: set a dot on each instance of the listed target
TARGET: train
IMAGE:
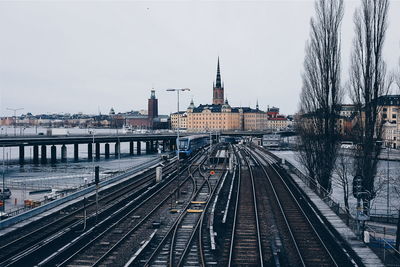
(230, 139)
(190, 144)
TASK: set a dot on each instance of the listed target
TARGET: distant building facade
(182, 117)
(277, 122)
(151, 120)
(219, 116)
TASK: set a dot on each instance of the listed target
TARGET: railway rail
(305, 240)
(262, 219)
(246, 246)
(110, 246)
(182, 244)
(34, 241)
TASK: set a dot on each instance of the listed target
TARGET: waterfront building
(220, 115)
(182, 116)
(151, 120)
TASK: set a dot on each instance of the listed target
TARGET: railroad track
(115, 243)
(160, 252)
(36, 240)
(302, 244)
(197, 249)
(245, 247)
(181, 244)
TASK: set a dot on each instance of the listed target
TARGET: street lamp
(15, 118)
(3, 195)
(177, 90)
(388, 146)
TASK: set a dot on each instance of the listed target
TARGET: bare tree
(368, 82)
(321, 93)
(344, 172)
(397, 75)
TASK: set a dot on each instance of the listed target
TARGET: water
(379, 204)
(25, 179)
(9, 131)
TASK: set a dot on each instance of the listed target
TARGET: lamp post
(177, 90)
(387, 183)
(2, 198)
(15, 118)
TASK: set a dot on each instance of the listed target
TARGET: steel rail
(268, 161)
(97, 262)
(30, 245)
(256, 212)
(235, 215)
(174, 226)
(166, 237)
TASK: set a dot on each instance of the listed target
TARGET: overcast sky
(86, 56)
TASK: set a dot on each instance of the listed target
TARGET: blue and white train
(190, 144)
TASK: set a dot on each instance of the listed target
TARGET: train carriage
(190, 144)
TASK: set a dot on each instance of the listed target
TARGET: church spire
(218, 88)
(218, 81)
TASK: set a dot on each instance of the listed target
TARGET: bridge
(152, 142)
(257, 133)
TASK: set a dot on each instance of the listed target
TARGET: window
(384, 109)
(394, 116)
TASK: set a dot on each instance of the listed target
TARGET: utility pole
(177, 90)
(15, 118)
(4, 169)
(387, 185)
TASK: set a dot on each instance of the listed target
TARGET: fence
(382, 246)
(17, 215)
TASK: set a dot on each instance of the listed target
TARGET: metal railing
(110, 178)
(386, 249)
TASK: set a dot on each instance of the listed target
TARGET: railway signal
(357, 186)
(212, 172)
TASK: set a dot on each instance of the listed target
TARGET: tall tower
(218, 89)
(152, 105)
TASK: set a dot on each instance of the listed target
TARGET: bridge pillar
(171, 145)
(53, 154)
(21, 154)
(131, 148)
(97, 151)
(43, 151)
(90, 151)
(117, 149)
(35, 154)
(164, 144)
(147, 147)
(63, 153)
(156, 146)
(107, 150)
(138, 148)
(76, 152)
(152, 146)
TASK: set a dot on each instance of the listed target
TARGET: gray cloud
(81, 56)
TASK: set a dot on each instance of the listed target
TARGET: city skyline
(89, 56)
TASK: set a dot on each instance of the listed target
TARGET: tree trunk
(398, 233)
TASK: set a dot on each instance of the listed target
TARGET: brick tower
(152, 105)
